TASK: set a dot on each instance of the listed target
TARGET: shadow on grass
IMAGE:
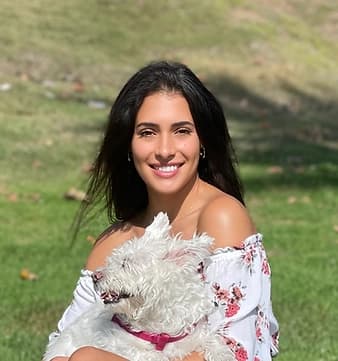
(297, 140)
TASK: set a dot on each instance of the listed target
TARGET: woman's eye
(183, 131)
(146, 133)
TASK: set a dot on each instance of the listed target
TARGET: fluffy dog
(155, 302)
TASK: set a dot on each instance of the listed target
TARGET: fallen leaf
(91, 239)
(78, 86)
(24, 77)
(75, 194)
(36, 164)
(292, 200)
(27, 275)
(87, 167)
(275, 169)
(12, 197)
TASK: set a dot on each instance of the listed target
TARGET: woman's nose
(165, 147)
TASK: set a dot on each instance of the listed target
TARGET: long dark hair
(114, 178)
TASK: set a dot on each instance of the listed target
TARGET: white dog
(154, 305)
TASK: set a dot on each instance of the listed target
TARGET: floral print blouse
(238, 281)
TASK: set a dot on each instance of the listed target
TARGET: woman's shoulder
(226, 220)
(112, 237)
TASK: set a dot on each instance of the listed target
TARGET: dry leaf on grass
(87, 167)
(12, 197)
(75, 194)
(27, 275)
(36, 164)
(292, 200)
(78, 86)
(275, 169)
(91, 239)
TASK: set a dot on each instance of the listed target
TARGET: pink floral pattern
(240, 280)
(229, 298)
(275, 339)
(266, 267)
(237, 349)
(262, 322)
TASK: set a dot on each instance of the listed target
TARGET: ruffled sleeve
(239, 283)
(83, 297)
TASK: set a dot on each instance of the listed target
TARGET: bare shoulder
(226, 220)
(111, 238)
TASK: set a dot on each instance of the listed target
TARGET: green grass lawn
(274, 67)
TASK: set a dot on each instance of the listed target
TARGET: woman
(167, 148)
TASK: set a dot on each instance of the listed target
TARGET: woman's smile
(166, 171)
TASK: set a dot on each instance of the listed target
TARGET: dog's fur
(152, 283)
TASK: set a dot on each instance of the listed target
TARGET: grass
(273, 67)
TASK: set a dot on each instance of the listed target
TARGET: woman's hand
(195, 356)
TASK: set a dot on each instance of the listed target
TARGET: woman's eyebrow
(183, 123)
(174, 125)
(147, 124)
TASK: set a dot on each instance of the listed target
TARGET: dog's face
(141, 272)
(124, 275)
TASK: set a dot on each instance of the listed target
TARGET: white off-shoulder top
(239, 284)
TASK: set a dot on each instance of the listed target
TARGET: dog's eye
(124, 262)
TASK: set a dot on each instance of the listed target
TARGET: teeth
(169, 168)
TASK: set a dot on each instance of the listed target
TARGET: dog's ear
(190, 252)
(159, 228)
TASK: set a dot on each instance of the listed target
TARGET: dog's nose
(96, 276)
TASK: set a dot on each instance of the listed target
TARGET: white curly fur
(166, 294)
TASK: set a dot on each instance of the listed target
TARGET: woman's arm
(89, 353)
(92, 353)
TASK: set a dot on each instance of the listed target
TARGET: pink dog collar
(158, 339)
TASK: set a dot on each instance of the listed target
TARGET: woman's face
(165, 145)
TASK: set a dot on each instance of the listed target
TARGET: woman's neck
(177, 206)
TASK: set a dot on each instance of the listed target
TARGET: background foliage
(274, 68)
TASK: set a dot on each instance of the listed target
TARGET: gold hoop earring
(202, 152)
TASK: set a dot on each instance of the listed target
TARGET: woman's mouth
(166, 171)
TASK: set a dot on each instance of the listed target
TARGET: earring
(202, 152)
(129, 157)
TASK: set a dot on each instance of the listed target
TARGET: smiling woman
(167, 149)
